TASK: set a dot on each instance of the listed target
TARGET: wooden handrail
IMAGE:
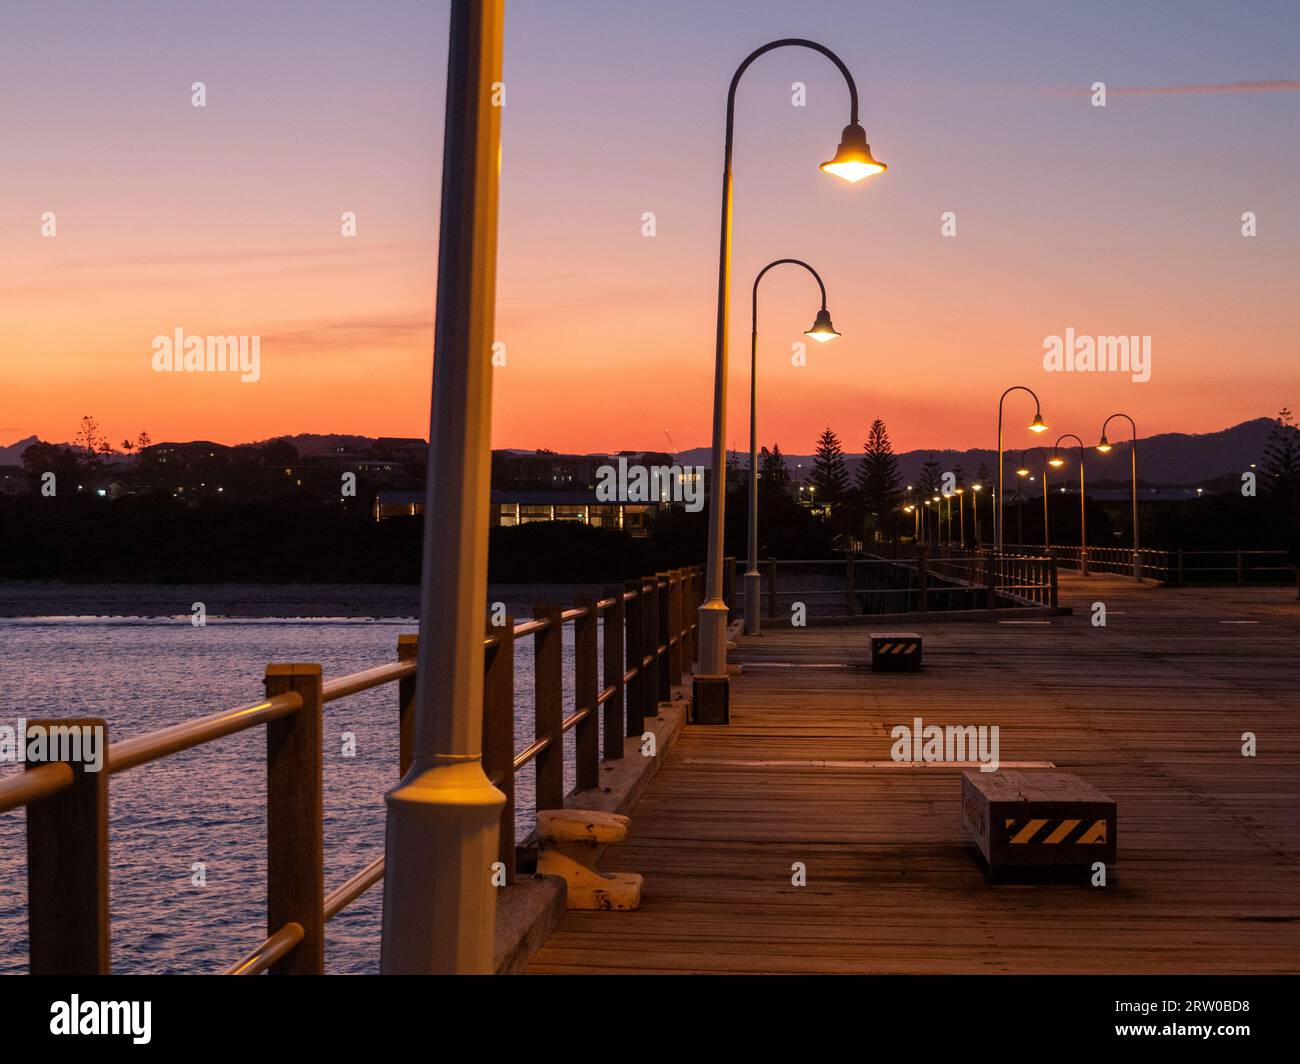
(274, 949)
(140, 750)
(648, 645)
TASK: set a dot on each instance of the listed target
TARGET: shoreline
(51, 599)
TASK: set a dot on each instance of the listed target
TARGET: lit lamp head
(1038, 424)
(978, 487)
(853, 160)
(1056, 461)
(822, 329)
(1022, 472)
(1104, 446)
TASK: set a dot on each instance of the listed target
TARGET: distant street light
(821, 330)
(975, 512)
(852, 162)
(1047, 541)
(1057, 461)
(1037, 425)
(1105, 447)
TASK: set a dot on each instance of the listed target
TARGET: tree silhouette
(930, 477)
(829, 476)
(772, 468)
(1281, 465)
(878, 478)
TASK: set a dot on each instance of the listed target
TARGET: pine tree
(930, 477)
(878, 478)
(829, 476)
(776, 476)
(1281, 465)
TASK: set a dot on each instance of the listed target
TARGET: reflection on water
(208, 804)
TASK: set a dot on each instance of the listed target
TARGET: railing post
(499, 732)
(635, 651)
(612, 716)
(586, 688)
(650, 693)
(548, 705)
(67, 864)
(663, 658)
(848, 587)
(408, 649)
(295, 846)
(770, 565)
(677, 638)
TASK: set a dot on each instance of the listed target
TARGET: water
(208, 804)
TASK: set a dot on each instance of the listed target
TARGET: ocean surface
(208, 805)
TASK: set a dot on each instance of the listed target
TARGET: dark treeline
(259, 518)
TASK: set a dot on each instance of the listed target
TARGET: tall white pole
(443, 818)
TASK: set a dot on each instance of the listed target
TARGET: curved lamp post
(852, 162)
(1037, 425)
(1021, 471)
(822, 330)
(1057, 461)
(1105, 447)
(1042, 455)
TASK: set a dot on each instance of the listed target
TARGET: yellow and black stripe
(1056, 831)
(897, 648)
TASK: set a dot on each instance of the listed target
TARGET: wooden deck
(1150, 709)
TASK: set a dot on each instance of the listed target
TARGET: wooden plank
(1149, 710)
(67, 859)
(295, 841)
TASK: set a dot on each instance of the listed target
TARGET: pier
(1151, 709)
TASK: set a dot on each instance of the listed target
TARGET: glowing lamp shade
(853, 160)
(822, 329)
(1104, 446)
(1056, 461)
(1022, 472)
(1038, 424)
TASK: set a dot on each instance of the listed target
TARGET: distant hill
(1171, 458)
(13, 454)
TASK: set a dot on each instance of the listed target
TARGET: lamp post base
(711, 700)
(439, 901)
(753, 588)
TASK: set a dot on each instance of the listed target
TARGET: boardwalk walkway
(1150, 709)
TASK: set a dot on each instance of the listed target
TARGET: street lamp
(1037, 425)
(1105, 447)
(821, 330)
(1057, 461)
(1042, 455)
(961, 515)
(975, 513)
(443, 817)
(852, 162)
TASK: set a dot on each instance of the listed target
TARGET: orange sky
(225, 220)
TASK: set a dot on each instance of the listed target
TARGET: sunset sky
(226, 219)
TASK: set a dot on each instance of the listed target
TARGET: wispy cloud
(1277, 85)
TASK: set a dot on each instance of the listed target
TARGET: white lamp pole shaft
(443, 818)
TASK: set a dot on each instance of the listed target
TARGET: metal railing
(649, 641)
(1236, 566)
(956, 579)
